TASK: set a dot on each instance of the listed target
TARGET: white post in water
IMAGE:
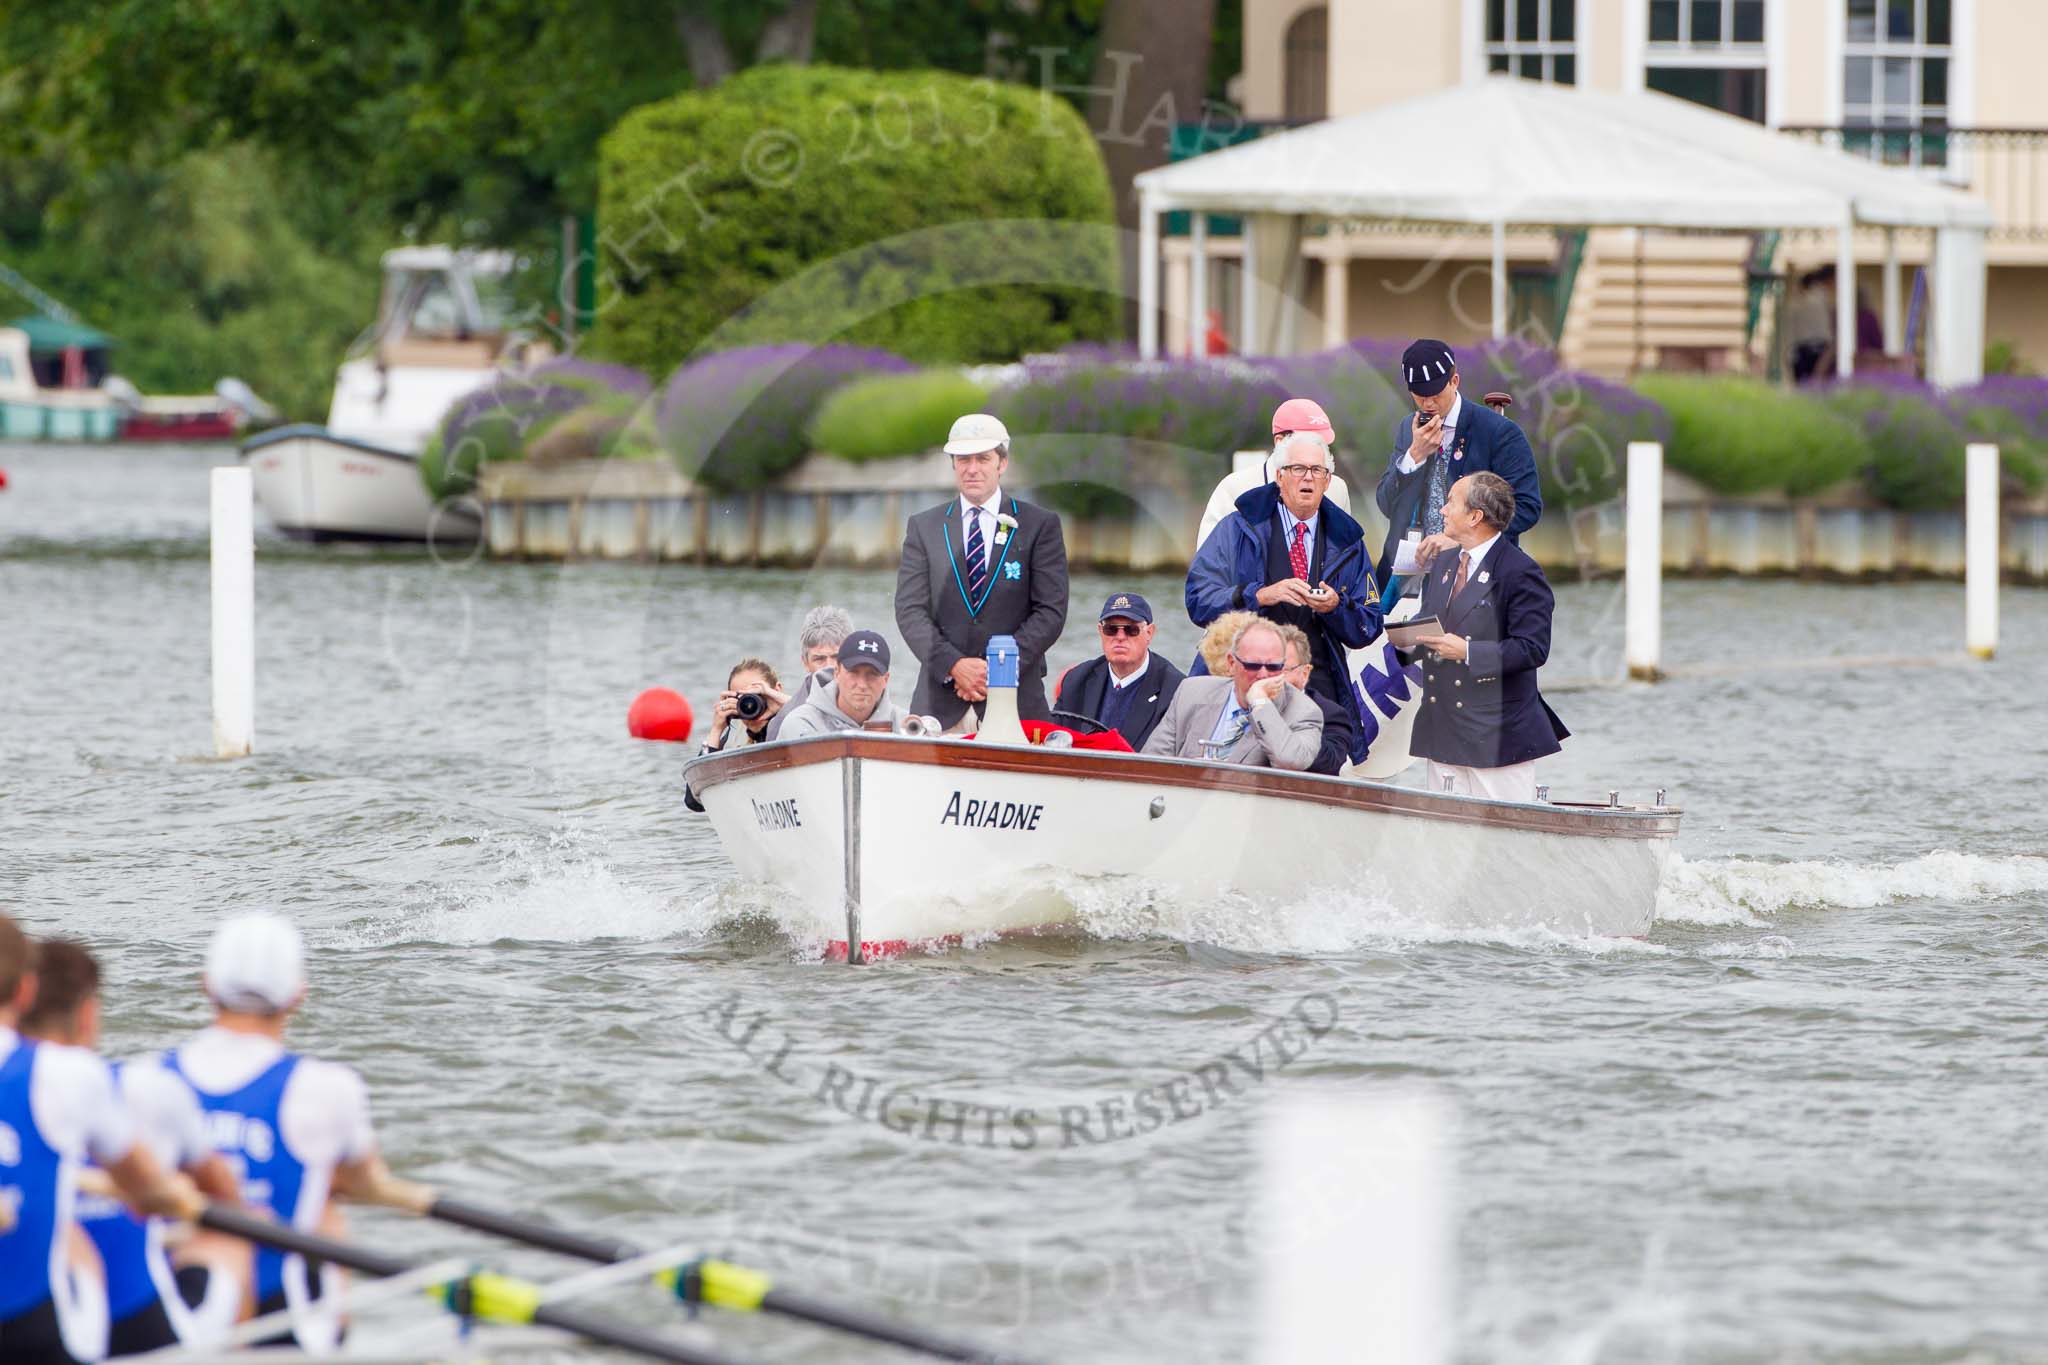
(1355, 1228)
(1980, 550)
(1644, 585)
(234, 612)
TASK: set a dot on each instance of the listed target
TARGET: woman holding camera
(752, 696)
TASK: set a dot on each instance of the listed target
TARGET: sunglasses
(1129, 629)
(1255, 666)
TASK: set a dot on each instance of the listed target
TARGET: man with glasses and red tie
(1253, 716)
(979, 565)
(1292, 555)
(1127, 687)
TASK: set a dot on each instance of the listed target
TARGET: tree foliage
(471, 119)
(197, 269)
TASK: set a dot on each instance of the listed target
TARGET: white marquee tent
(1504, 153)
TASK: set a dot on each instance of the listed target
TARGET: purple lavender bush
(502, 419)
(1917, 433)
(735, 419)
(1088, 421)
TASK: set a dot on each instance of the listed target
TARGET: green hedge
(889, 415)
(1740, 436)
(744, 212)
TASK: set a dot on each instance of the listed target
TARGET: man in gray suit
(1252, 716)
(979, 565)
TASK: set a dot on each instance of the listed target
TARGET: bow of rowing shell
(888, 841)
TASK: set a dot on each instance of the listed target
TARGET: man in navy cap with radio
(1127, 687)
(1445, 439)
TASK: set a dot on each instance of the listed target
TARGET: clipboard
(1407, 634)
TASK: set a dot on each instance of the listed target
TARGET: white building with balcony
(1950, 89)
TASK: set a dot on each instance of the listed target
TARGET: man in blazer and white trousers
(1252, 716)
(979, 565)
(1482, 723)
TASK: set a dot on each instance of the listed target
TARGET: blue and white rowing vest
(131, 1250)
(243, 1125)
(32, 1185)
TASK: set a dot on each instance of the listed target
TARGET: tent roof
(48, 334)
(1519, 152)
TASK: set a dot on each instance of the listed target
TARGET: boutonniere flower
(1005, 523)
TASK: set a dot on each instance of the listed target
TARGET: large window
(1707, 23)
(1535, 39)
(1710, 52)
(1895, 77)
(1308, 65)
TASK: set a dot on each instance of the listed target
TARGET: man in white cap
(298, 1129)
(981, 564)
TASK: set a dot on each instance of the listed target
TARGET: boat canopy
(47, 334)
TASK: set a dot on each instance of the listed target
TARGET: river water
(1802, 1121)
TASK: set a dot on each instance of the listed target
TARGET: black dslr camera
(750, 705)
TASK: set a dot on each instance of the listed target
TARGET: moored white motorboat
(891, 841)
(316, 485)
(440, 333)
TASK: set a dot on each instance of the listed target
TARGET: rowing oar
(718, 1283)
(483, 1296)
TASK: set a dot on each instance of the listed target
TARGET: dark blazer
(1026, 596)
(1340, 733)
(1483, 439)
(1087, 682)
(1486, 711)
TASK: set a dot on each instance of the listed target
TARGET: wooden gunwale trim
(710, 770)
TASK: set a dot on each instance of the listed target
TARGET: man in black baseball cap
(856, 698)
(1445, 439)
(1127, 687)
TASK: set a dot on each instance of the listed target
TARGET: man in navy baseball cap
(857, 697)
(1126, 688)
(1442, 441)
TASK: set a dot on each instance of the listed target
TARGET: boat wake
(1316, 923)
(567, 891)
(1751, 893)
(561, 891)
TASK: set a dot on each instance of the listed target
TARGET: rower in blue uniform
(151, 1303)
(298, 1129)
(58, 1109)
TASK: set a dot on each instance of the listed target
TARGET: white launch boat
(441, 332)
(893, 842)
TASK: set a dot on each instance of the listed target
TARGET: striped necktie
(1439, 489)
(977, 555)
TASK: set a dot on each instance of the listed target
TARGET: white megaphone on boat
(999, 722)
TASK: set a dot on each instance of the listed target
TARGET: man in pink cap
(1288, 553)
(1296, 414)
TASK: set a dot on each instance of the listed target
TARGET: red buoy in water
(3, 480)
(659, 713)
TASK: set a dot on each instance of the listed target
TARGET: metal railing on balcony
(2007, 167)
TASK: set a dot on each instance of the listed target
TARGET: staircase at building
(1645, 300)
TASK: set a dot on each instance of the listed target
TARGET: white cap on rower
(255, 964)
